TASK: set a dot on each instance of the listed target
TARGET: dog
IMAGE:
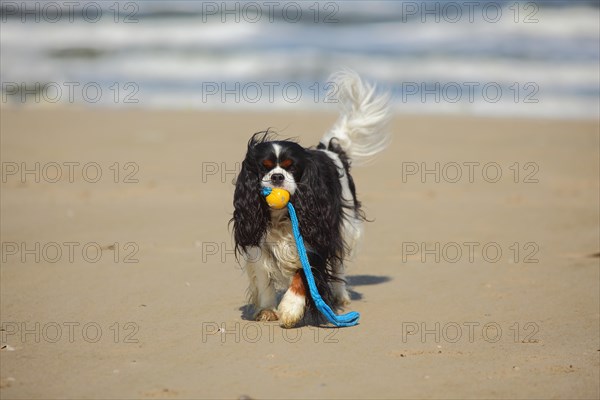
(324, 196)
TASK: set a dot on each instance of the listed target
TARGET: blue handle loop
(349, 319)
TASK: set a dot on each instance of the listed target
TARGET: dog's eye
(286, 163)
(268, 164)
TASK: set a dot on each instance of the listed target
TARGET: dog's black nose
(277, 179)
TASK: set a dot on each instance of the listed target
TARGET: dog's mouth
(279, 183)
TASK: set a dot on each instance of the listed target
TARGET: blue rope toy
(349, 319)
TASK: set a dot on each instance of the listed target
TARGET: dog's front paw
(266, 315)
(291, 309)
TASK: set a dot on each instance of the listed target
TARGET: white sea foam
(173, 60)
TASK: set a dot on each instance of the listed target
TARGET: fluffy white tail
(361, 129)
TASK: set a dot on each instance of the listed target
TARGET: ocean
(491, 58)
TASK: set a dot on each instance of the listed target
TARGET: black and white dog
(323, 194)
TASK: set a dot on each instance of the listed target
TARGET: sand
(158, 312)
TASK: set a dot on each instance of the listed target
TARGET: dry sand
(507, 329)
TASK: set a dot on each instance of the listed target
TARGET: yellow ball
(278, 198)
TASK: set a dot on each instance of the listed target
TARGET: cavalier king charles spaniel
(324, 196)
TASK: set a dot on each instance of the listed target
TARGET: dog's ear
(251, 212)
(318, 203)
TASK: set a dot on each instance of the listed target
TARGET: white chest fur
(279, 245)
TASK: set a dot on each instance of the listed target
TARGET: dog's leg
(340, 291)
(353, 229)
(262, 291)
(291, 308)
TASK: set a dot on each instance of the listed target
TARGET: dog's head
(309, 176)
(268, 163)
(276, 164)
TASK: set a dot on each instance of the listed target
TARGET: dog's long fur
(324, 196)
